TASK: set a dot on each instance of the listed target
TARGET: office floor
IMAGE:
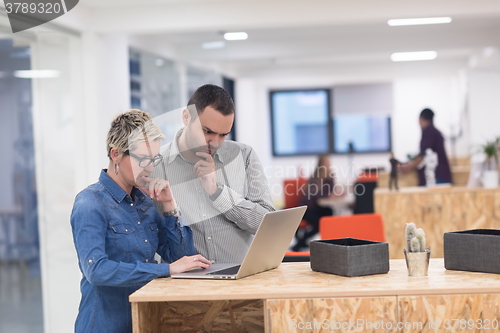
(20, 298)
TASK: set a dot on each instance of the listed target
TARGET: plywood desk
(291, 296)
(437, 211)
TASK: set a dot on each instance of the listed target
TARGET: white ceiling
(295, 32)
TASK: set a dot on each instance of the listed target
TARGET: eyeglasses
(144, 162)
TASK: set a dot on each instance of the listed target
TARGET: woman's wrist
(168, 206)
(174, 212)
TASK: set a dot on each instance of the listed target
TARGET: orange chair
(292, 256)
(368, 175)
(361, 226)
(292, 191)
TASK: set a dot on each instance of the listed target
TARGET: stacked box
(475, 250)
(349, 257)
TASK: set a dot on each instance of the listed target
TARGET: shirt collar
(173, 152)
(116, 191)
(174, 149)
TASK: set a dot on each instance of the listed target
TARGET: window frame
(329, 121)
(389, 126)
(330, 124)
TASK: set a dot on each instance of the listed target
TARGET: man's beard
(199, 148)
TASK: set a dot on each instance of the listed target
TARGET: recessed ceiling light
(235, 35)
(219, 44)
(36, 74)
(159, 62)
(419, 21)
(413, 56)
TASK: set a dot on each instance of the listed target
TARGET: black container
(349, 257)
(476, 250)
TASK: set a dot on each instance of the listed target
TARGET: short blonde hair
(131, 127)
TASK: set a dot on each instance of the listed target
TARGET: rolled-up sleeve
(247, 211)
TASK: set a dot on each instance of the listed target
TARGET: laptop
(266, 251)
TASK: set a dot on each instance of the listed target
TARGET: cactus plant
(415, 238)
(414, 245)
(411, 231)
(421, 238)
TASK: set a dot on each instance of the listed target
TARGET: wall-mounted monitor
(359, 133)
(300, 121)
(362, 118)
(356, 119)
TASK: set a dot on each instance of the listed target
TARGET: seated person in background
(117, 229)
(320, 185)
(431, 139)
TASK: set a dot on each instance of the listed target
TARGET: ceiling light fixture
(413, 56)
(219, 44)
(419, 21)
(235, 36)
(36, 74)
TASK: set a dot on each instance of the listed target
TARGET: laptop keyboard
(227, 271)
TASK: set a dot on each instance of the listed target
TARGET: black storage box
(476, 250)
(349, 257)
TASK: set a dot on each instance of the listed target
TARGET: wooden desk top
(437, 189)
(297, 280)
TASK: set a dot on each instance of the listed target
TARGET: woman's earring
(116, 168)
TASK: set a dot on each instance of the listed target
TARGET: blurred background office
(307, 77)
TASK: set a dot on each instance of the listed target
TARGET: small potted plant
(490, 175)
(416, 254)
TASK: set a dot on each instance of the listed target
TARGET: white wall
(106, 91)
(484, 104)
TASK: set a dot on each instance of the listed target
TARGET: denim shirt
(116, 237)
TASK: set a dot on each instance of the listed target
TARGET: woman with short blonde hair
(117, 229)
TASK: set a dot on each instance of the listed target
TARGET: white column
(484, 107)
(106, 91)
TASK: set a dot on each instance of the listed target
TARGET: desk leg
(227, 316)
(146, 317)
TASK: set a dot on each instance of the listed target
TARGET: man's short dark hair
(427, 114)
(214, 96)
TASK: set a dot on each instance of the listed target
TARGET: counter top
(297, 280)
(437, 188)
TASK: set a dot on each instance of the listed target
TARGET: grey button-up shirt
(223, 227)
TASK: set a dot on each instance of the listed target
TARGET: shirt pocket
(125, 238)
(153, 227)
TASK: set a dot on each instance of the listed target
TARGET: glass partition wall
(20, 278)
(38, 101)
